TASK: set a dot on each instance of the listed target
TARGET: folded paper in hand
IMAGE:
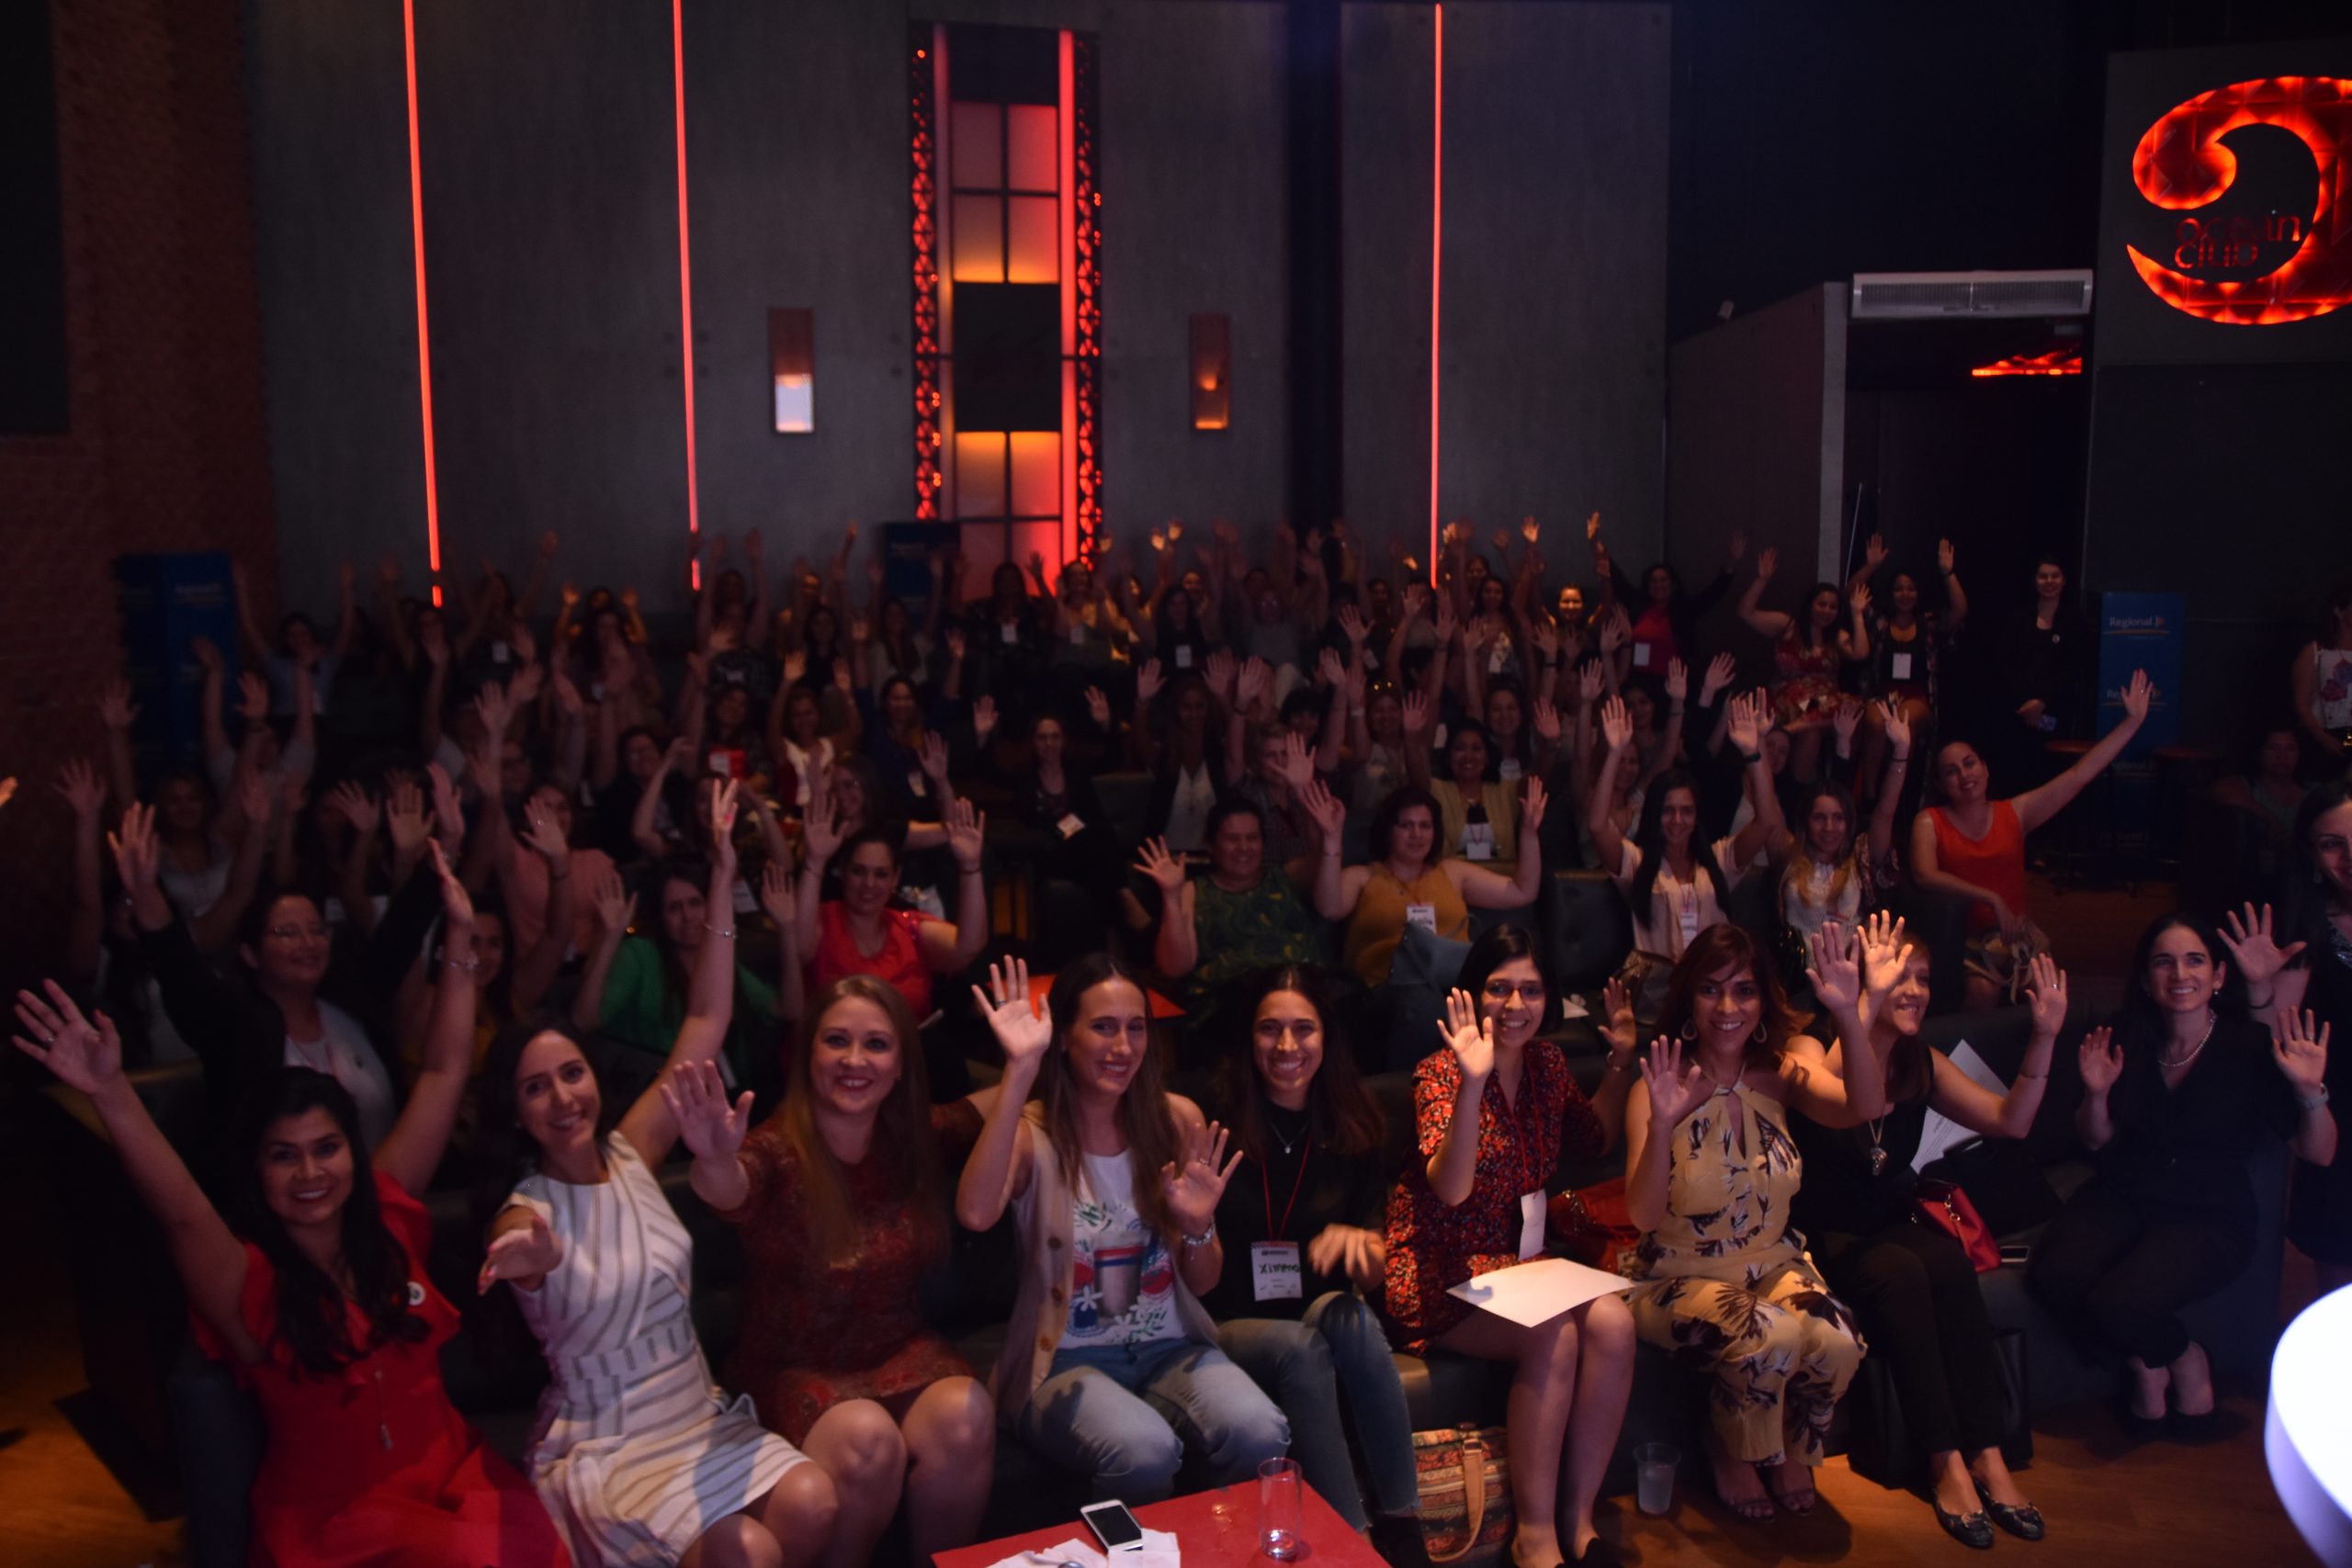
(1537, 1292)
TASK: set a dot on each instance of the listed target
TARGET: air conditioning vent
(1926, 295)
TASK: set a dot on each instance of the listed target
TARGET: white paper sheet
(1158, 1550)
(1942, 1134)
(1538, 1292)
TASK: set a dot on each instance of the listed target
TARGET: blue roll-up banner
(2141, 631)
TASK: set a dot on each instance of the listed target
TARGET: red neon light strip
(1067, 216)
(423, 328)
(1437, 250)
(685, 285)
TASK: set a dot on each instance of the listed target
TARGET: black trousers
(1915, 1294)
(2117, 1272)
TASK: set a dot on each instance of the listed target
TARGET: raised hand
(448, 815)
(404, 817)
(1720, 671)
(2138, 692)
(1616, 724)
(137, 857)
(1257, 681)
(1943, 556)
(2045, 986)
(1768, 562)
(85, 1053)
(1297, 764)
(1874, 552)
(1348, 1250)
(1021, 1032)
(257, 797)
(1163, 868)
(1834, 958)
(725, 797)
(569, 702)
(208, 653)
(1547, 721)
(357, 808)
(1678, 680)
(1532, 802)
(1352, 626)
(966, 833)
(1847, 719)
(2301, 1054)
(1898, 728)
(1618, 1026)
(1151, 678)
(2254, 949)
(1326, 810)
(1616, 631)
(616, 907)
(1589, 681)
(1743, 729)
(1885, 953)
(954, 636)
(83, 789)
(1417, 715)
(1098, 708)
(712, 1128)
(1194, 1182)
(543, 833)
(1219, 673)
(253, 698)
(1859, 600)
(1469, 1035)
(2100, 1060)
(528, 1254)
(457, 906)
(820, 833)
(934, 755)
(1675, 1091)
(1331, 668)
(778, 896)
(115, 710)
(1416, 599)
(983, 720)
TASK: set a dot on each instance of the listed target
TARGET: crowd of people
(532, 902)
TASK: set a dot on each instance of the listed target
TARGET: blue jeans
(1336, 1352)
(1124, 1414)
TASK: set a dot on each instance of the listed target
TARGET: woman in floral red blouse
(1492, 1113)
(843, 1205)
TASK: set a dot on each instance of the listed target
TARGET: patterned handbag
(1465, 1512)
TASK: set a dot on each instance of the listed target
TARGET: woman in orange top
(1974, 846)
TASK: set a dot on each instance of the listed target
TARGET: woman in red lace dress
(1492, 1111)
(842, 1199)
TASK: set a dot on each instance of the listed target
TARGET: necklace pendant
(1877, 1160)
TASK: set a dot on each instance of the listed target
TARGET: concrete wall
(1552, 358)
(552, 264)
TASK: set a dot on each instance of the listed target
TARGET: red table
(1213, 1529)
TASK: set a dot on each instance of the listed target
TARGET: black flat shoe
(2195, 1430)
(2024, 1522)
(2138, 1428)
(1599, 1553)
(1973, 1530)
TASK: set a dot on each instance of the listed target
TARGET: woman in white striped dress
(638, 1454)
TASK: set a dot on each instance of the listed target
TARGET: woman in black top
(1055, 797)
(2172, 1100)
(1302, 1222)
(1910, 1286)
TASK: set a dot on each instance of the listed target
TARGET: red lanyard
(1273, 1232)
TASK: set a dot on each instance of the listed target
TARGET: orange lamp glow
(1212, 358)
(2180, 164)
(2067, 361)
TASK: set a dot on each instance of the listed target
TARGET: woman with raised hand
(2321, 681)
(1973, 846)
(1301, 1319)
(637, 1454)
(2314, 921)
(319, 1299)
(1907, 648)
(1408, 883)
(2174, 1095)
(1493, 1112)
(1911, 1287)
(1831, 871)
(1113, 1185)
(841, 1201)
(1674, 882)
(865, 932)
(1807, 651)
(1723, 1281)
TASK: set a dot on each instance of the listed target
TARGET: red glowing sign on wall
(2299, 268)
(2067, 361)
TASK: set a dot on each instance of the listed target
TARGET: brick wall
(167, 444)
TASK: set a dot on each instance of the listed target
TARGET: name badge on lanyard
(1902, 667)
(1531, 1224)
(1276, 1274)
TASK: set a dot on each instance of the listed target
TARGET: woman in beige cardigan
(1115, 1185)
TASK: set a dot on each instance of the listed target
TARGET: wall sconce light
(1211, 362)
(791, 362)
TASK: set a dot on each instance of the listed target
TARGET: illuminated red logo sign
(2262, 263)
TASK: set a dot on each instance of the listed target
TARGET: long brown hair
(1339, 1115)
(1143, 1117)
(901, 1131)
(1726, 946)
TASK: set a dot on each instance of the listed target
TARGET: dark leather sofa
(136, 1354)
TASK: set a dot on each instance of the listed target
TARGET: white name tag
(746, 902)
(1531, 1224)
(1640, 656)
(1078, 634)
(1183, 656)
(499, 653)
(1008, 633)
(1902, 667)
(915, 784)
(1071, 825)
(1274, 1273)
(1423, 916)
(1477, 841)
(1513, 769)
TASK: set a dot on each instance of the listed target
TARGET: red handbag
(1943, 1206)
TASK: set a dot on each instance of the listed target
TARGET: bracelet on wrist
(1203, 1239)
(2310, 1102)
(1752, 758)
(727, 932)
(463, 966)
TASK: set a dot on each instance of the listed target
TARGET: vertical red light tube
(686, 287)
(1437, 248)
(1066, 125)
(423, 327)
